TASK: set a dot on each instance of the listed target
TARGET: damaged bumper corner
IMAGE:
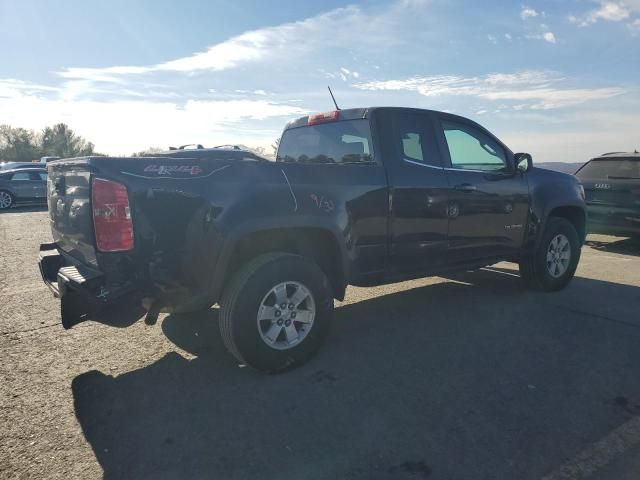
(83, 292)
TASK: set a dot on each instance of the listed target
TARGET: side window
(38, 176)
(20, 177)
(472, 149)
(412, 146)
(413, 141)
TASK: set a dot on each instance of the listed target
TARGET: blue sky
(559, 79)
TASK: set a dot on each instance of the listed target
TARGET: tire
(6, 200)
(252, 293)
(542, 274)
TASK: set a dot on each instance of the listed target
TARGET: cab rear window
(347, 141)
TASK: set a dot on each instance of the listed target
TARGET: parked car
(356, 197)
(22, 185)
(14, 165)
(612, 187)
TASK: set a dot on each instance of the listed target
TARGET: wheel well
(575, 215)
(317, 244)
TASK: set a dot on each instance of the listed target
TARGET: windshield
(621, 168)
(336, 142)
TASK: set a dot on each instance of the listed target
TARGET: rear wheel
(276, 312)
(553, 264)
(6, 200)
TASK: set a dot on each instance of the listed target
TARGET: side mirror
(523, 162)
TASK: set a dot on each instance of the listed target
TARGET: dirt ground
(468, 376)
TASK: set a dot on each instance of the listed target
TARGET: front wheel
(276, 312)
(553, 264)
(6, 200)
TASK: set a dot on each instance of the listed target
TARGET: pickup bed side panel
(189, 214)
(350, 201)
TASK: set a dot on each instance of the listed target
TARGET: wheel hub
(5, 200)
(558, 255)
(286, 315)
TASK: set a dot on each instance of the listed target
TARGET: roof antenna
(333, 98)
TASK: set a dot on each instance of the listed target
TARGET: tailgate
(69, 200)
(613, 192)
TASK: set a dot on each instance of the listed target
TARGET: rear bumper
(84, 293)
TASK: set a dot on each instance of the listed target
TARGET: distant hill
(563, 167)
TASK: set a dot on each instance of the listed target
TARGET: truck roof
(355, 113)
(619, 155)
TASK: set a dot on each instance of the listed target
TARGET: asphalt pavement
(468, 376)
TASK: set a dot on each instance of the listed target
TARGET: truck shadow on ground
(624, 246)
(461, 379)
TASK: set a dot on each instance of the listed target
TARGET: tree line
(23, 145)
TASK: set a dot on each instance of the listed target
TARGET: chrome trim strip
(422, 164)
(472, 170)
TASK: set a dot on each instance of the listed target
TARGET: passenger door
(418, 187)
(23, 185)
(488, 199)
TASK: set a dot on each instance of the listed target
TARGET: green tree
(61, 141)
(148, 152)
(18, 144)
(275, 145)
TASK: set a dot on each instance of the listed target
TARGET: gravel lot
(468, 376)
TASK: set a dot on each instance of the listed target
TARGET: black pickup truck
(355, 197)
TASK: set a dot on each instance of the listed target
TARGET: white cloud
(610, 11)
(331, 29)
(123, 127)
(548, 37)
(537, 89)
(13, 88)
(492, 39)
(508, 36)
(634, 27)
(528, 13)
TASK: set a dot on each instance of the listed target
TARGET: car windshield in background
(336, 142)
(621, 168)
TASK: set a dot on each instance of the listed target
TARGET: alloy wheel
(558, 255)
(286, 315)
(5, 200)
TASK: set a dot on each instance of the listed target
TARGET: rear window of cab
(346, 141)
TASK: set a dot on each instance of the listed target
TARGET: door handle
(466, 187)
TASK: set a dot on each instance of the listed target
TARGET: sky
(559, 79)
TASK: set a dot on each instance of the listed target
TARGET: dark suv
(612, 188)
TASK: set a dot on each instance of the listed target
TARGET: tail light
(323, 117)
(111, 216)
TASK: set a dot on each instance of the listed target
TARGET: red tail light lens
(111, 216)
(323, 117)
